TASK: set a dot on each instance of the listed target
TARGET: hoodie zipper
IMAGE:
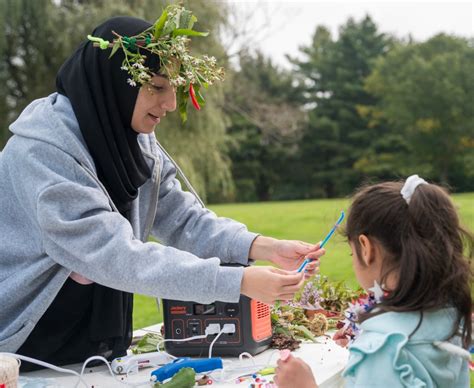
(150, 217)
(151, 214)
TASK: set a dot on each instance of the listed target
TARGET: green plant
(332, 296)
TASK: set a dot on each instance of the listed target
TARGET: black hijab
(103, 103)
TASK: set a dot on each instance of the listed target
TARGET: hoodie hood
(52, 120)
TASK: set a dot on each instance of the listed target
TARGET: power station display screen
(204, 309)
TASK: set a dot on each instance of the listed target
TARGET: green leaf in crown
(168, 38)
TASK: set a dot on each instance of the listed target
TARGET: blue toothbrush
(326, 239)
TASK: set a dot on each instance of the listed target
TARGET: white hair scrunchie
(410, 186)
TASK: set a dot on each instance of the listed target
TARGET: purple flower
(310, 297)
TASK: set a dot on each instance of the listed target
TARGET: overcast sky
(291, 23)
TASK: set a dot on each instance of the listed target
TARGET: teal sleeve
(381, 360)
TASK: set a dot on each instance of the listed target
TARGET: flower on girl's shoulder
(363, 304)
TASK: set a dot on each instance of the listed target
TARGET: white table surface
(326, 359)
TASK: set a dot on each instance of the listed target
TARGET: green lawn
(302, 220)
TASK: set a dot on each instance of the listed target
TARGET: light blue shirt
(384, 355)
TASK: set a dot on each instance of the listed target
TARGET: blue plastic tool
(326, 239)
(199, 365)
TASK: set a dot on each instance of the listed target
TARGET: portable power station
(252, 320)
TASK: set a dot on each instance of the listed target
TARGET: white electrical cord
(238, 371)
(214, 341)
(249, 369)
(179, 340)
(207, 332)
(47, 365)
(69, 371)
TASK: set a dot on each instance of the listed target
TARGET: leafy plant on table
(184, 378)
(293, 323)
(317, 307)
(148, 343)
(322, 295)
(335, 296)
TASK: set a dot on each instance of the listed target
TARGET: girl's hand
(287, 254)
(341, 338)
(293, 372)
(269, 284)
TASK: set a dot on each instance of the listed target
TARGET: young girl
(407, 239)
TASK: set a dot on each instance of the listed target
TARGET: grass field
(301, 220)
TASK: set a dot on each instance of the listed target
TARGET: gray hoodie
(56, 218)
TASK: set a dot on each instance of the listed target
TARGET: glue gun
(130, 364)
(199, 365)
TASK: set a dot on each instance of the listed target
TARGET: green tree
(265, 123)
(20, 57)
(37, 36)
(425, 92)
(336, 135)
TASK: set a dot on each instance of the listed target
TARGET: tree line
(359, 106)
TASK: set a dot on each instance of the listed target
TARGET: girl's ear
(367, 250)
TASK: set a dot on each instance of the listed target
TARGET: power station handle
(199, 365)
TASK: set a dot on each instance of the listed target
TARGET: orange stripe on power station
(261, 320)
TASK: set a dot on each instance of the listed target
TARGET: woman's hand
(269, 284)
(287, 254)
(293, 372)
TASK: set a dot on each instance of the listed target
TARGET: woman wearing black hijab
(100, 320)
(91, 185)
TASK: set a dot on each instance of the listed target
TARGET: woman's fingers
(316, 254)
(290, 284)
(288, 278)
(313, 265)
(269, 284)
(280, 271)
(295, 287)
(288, 292)
(305, 247)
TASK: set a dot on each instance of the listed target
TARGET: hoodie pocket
(14, 341)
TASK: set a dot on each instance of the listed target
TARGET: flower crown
(167, 38)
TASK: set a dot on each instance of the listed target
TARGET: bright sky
(291, 23)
